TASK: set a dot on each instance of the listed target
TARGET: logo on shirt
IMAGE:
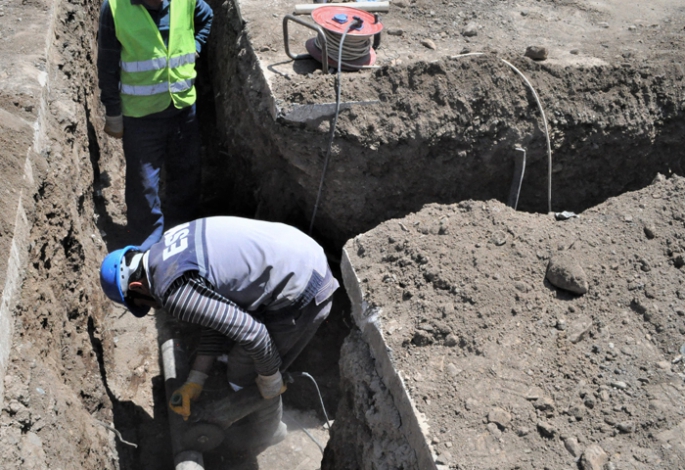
(175, 241)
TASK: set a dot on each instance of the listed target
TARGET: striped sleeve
(191, 299)
(213, 343)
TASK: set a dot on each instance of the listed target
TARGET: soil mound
(510, 369)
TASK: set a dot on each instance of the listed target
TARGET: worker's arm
(203, 23)
(109, 56)
(203, 363)
(191, 299)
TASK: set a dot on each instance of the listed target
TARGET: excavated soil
(510, 371)
(507, 369)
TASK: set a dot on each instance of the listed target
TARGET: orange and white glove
(189, 391)
(114, 126)
(270, 386)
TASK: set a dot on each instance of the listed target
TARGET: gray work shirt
(256, 264)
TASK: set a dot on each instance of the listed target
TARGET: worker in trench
(146, 69)
(262, 287)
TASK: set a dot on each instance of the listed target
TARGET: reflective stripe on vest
(157, 64)
(147, 90)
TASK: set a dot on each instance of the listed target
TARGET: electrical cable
(116, 431)
(331, 135)
(337, 112)
(323, 408)
(355, 47)
(314, 439)
(544, 121)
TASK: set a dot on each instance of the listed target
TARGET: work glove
(270, 386)
(189, 391)
(114, 126)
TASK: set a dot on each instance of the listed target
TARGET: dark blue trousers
(163, 140)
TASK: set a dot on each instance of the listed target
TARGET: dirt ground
(529, 342)
(578, 33)
(510, 371)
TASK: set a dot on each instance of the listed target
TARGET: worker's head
(123, 280)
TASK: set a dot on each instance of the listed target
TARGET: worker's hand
(114, 126)
(189, 391)
(270, 386)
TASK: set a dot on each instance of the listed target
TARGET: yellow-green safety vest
(152, 75)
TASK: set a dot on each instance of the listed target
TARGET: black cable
(356, 22)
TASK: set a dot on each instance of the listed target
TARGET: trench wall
(370, 430)
(23, 97)
(443, 132)
(53, 398)
(440, 132)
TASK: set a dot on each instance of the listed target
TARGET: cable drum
(355, 47)
(357, 50)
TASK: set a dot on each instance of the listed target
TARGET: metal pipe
(188, 460)
(544, 121)
(519, 171)
(307, 8)
(231, 408)
(176, 368)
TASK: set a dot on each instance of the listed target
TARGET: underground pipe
(176, 368)
(188, 440)
(229, 409)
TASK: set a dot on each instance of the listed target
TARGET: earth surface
(529, 342)
(577, 33)
(509, 370)
(437, 125)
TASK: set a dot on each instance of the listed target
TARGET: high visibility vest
(152, 74)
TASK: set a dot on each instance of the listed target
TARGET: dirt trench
(55, 399)
(441, 132)
(83, 386)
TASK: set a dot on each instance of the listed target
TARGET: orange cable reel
(357, 49)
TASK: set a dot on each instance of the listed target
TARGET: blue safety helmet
(114, 273)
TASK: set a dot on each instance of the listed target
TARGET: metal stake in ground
(519, 171)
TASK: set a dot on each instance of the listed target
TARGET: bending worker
(264, 286)
(146, 69)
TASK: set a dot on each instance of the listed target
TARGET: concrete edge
(19, 249)
(414, 427)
